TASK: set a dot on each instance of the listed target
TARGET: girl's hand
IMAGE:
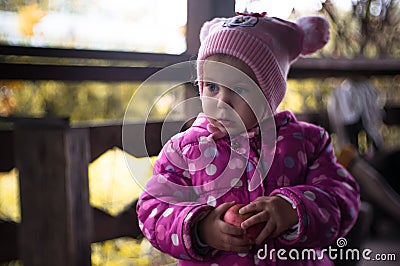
(220, 235)
(277, 214)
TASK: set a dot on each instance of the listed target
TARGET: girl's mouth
(226, 122)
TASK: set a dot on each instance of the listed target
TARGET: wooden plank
(360, 64)
(7, 156)
(392, 115)
(55, 227)
(8, 241)
(106, 227)
(302, 68)
(140, 140)
(147, 140)
(328, 67)
(95, 73)
(47, 122)
(103, 138)
(74, 73)
(201, 11)
(6, 150)
(92, 54)
(77, 147)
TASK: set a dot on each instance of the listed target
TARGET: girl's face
(231, 98)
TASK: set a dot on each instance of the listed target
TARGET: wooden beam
(302, 68)
(201, 11)
(139, 139)
(42, 52)
(328, 67)
(74, 73)
(56, 217)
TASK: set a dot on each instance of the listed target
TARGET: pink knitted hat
(268, 45)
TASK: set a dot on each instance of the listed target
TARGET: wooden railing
(58, 224)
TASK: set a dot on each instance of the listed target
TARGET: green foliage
(124, 251)
(308, 95)
(9, 196)
(12, 263)
(367, 30)
(85, 101)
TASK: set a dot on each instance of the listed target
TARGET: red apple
(232, 216)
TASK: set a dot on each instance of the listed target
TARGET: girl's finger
(237, 244)
(255, 206)
(260, 217)
(266, 232)
(221, 209)
(233, 230)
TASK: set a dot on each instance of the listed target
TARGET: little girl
(242, 150)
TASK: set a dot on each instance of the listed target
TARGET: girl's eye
(211, 87)
(239, 90)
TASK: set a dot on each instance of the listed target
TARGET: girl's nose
(225, 98)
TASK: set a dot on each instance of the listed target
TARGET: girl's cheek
(208, 106)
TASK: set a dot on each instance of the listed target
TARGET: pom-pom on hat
(268, 45)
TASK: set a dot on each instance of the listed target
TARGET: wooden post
(201, 11)
(56, 217)
(8, 241)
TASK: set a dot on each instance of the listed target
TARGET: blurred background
(82, 60)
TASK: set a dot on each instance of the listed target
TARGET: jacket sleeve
(167, 208)
(327, 203)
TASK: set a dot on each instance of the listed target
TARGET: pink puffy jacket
(194, 174)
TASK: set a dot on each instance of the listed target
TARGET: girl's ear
(315, 33)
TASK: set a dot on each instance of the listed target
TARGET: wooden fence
(58, 224)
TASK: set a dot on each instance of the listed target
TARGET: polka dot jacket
(195, 173)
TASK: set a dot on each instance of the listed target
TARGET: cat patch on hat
(241, 21)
